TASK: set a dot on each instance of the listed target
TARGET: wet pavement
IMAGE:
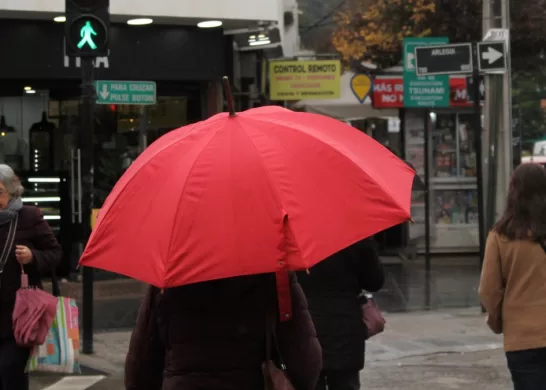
(451, 283)
(444, 349)
(420, 350)
(484, 370)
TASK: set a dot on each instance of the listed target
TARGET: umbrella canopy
(261, 191)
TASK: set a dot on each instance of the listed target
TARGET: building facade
(184, 47)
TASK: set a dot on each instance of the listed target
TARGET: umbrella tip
(229, 96)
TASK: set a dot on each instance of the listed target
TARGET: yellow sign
(94, 216)
(299, 80)
(361, 85)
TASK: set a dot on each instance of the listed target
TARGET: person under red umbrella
(332, 288)
(216, 216)
(211, 336)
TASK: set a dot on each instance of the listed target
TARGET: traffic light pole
(87, 150)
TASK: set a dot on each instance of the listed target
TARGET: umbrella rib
(276, 122)
(197, 158)
(272, 183)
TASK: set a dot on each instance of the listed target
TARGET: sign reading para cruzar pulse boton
(302, 80)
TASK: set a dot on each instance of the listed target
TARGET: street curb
(389, 356)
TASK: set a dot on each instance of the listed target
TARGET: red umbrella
(262, 191)
(33, 314)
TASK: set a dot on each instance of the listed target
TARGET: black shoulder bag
(275, 378)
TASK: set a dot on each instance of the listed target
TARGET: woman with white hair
(26, 243)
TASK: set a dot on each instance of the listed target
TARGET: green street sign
(125, 92)
(423, 91)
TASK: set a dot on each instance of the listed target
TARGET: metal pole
(428, 280)
(86, 146)
(479, 169)
(143, 139)
(494, 122)
(488, 173)
(507, 104)
(501, 106)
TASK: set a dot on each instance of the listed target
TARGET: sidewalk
(426, 333)
(407, 335)
(484, 370)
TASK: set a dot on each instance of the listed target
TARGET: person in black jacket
(332, 288)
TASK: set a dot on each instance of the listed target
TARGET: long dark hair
(525, 213)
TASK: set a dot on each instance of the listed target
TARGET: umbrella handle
(229, 96)
(24, 280)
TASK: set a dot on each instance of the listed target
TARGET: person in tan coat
(513, 281)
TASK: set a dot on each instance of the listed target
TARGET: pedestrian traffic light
(87, 27)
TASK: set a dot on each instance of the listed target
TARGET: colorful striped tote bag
(61, 350)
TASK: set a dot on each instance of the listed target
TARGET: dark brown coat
(34, 232)
(211, 336)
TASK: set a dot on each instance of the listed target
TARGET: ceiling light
(259, 43)
(59, 19)
(209, 24)
(44, 180)
(258, 40)
(140, 21)
(31, 91)
(27, 88)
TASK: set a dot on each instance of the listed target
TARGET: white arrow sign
(491, 55)
(104, 93)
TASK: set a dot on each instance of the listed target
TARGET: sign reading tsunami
(361, 85)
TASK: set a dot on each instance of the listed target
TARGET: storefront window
(456, 207)
(415, 155)
(467, 149)
(444, 146)
(386, 131)
(135, 127)
(453, 188)
(26, 132)
(454, 154)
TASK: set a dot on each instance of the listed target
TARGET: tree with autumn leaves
(374, 29)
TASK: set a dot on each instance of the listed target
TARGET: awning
(347, 106)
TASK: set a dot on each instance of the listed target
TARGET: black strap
(55, 289)
(271, 338)
(8, 244)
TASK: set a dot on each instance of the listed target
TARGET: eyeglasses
(3, 193)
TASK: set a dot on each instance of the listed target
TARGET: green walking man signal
(86, 33)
